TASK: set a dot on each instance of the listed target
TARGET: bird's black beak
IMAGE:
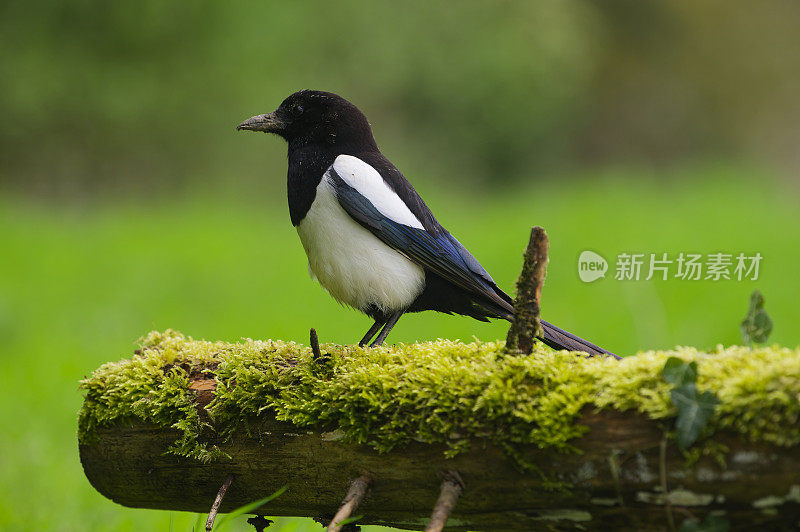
(268, 123)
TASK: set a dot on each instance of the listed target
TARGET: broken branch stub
(212, 515)
(451, 489)
(358, 489)
(526, 327)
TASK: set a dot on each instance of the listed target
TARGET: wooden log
(613, 483)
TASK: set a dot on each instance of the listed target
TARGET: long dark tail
(558, 338)
(502, 306)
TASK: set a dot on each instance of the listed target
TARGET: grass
(79, 285)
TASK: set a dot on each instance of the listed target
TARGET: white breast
(351, 263)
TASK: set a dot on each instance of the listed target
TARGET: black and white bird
(370, 239)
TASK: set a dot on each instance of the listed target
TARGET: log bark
(614, 483)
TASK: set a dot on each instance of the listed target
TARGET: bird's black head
(315, 117)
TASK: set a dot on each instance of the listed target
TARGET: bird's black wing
(437, 251)
(440, 253)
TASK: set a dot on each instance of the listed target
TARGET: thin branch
(526, 327)
(358, 489)
(315, 344)
(215, 507)
(452, 486)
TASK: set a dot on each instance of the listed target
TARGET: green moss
(437, 392)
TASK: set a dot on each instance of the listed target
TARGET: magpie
(371, 241)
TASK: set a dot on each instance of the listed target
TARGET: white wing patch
(369, 183)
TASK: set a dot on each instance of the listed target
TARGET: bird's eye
(297, 110)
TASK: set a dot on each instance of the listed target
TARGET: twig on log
(314, 340)
(322, 361)
(452, 486)
(358, 489)
(215, 507)
(526, 327)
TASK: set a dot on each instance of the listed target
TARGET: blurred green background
(128, 202)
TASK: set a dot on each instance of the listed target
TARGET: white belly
(351, 263)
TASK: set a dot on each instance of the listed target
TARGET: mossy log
(601, 464)
(613, 484)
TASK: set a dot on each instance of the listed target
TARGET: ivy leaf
(694, 412)
(757, 325)
(678, 373)
(712, 523)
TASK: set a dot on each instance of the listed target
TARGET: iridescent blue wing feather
(440, 253)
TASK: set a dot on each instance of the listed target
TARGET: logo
(664, 266)
(591, 266)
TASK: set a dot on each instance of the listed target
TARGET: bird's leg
(371, 332)
(386, 328)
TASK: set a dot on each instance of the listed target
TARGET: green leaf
(678, 373)
(757, 325)
(349, 520)
(246, 509)
(712, 523)
(694, 412)
(199, 524)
